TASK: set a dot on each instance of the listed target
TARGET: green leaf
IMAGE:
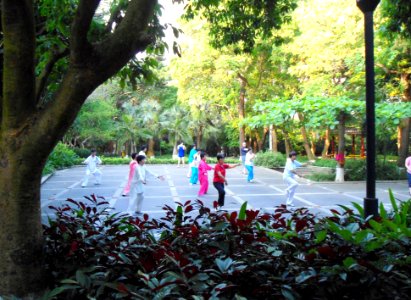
(320, 236)
(392, 200)
(349, 262)
(242, 215)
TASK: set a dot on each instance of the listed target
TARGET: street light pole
(370, 201)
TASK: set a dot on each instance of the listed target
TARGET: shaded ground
(265, 193)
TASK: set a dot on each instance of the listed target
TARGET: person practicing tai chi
(92, 162)
(290, 175)
(243, 153)
(143, 151)
(181, 151)
(132, 168)
(194, 169)
(249, 165)
(137, 185)
(203, 169)
(220, 178)
(191, 155)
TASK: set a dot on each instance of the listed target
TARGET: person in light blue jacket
(290, 175)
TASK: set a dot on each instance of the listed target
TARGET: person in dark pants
(220, 179)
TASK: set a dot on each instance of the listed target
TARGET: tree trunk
(30, 127)
(262, 143)
(287, 143)
(313, 141)
(241, 107)
(21, 240)
(324, 153)
(306, 141)
(341, 149)
(150, 148)
(274, 140)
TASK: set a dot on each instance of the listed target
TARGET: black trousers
(221, 192)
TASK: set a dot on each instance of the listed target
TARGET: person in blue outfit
(181, 151)
(290, 175)
(193, 152)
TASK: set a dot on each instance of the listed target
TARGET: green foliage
(239, 23)
(355, 169)
(193, 252)
(82, 152)
(397, 17)
(329, 163)
(270, 159)
(61, 157)
(321, 177)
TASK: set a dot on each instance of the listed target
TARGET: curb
(46, 177)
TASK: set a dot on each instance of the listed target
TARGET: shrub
(82, 152)
(325, 162)
(270, 159)
(321, 177)
(61, 157)
(194, 253)
(356, 170)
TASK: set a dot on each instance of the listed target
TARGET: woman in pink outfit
(132, 166)
(203, 168)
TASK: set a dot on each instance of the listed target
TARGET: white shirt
(92, 163)
(290, 166)
(249, 157)
(140, 176)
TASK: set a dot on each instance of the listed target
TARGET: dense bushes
(356, 170)
(270, 159)
(61, 157)
(199, 254)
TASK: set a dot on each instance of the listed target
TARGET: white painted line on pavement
(237, 198)
(172, 187)
(277, 189)
(311, 204)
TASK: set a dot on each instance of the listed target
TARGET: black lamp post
(370, 201)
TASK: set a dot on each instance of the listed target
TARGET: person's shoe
(138, 213)
(83, 186)
(124, 195)
(291, 205)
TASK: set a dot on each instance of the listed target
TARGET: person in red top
(219, 178)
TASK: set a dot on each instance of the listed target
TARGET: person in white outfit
(92, 162)
(137, 185)
(290, 175)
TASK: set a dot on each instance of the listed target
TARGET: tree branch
(130, 37)
(80, 46)
(42, 79)
(386, 70)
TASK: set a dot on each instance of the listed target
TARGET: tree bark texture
(241, 107)
(341, 149)
(324, 153)
(29, 132)
(274, 139)
(306, 141)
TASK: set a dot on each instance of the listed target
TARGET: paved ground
(265, 193)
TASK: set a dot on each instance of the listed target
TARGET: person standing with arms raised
(203, 169)
(290, 175)
(220, 179)
(92, 162)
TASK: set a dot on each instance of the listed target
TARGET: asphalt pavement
(265, 193)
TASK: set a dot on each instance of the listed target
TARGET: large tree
(38, 105)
